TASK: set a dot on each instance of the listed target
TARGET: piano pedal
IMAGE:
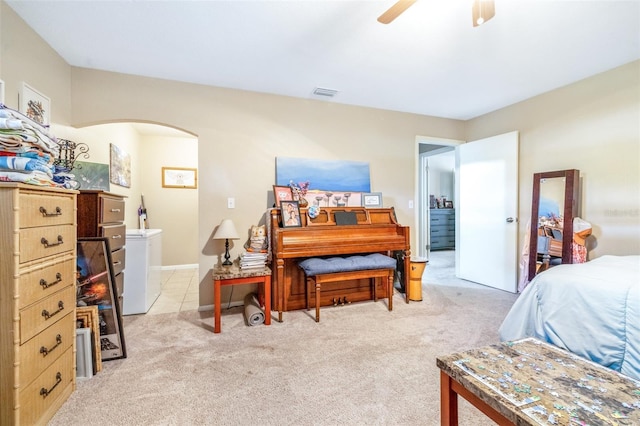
(346, 302)
(340, 301)
(335, 302)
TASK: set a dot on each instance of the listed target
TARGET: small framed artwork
(84, 363)
(372, 199)
(290, 214)
(120, 167)
(448, 204)
(96, 286)
(282, 193)
(92, 175)
(35, 105)
(179, 177)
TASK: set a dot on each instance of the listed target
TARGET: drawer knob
(44, 351)
(47, 214)
(45, 392)
(46, 243)
(45, 284)
(115, 237)
(115, 210)
(48, 315)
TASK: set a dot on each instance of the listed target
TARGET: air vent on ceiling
(321, 91)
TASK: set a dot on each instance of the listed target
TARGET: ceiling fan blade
(482, 11)
(394, 11)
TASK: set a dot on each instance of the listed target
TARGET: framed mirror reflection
(554, 207)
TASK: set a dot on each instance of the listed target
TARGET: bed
(591, 309)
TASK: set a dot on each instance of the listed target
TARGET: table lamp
(226, 231)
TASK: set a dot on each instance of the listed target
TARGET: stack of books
(253, 260)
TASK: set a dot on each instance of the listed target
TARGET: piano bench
(333, 269)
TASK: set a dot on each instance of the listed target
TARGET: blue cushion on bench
(317, 266)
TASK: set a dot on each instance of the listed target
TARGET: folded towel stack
(28, 151)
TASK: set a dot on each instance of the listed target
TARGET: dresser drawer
(120, 289)
(112, 210)
(46, 347)
(38, 209)
(46, 279)
(442, 231)
(118, 260)
(46, 312)
(36, 243)
(443, 242)
(117, 235)
(47, 388)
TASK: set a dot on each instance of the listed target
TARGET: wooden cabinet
(442, 229)
(101, 214)
(37, 301)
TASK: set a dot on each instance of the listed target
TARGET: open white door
(487, 228)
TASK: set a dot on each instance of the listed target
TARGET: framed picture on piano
(372, 199)
(282, 193)
(290, 214)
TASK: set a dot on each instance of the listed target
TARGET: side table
(233, 275)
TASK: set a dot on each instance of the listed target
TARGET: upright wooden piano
(376, 231)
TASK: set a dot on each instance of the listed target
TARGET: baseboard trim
(203, 308)
(187, 266)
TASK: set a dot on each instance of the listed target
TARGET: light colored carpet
(361, 365)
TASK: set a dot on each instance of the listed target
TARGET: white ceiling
(428, 61)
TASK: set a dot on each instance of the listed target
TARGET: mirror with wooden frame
(554, 206)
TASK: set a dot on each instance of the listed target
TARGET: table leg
(216, 309)
(448, 401)
(317, 300)
(267, 300)
(390, 290)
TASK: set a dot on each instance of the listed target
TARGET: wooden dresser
(101, 214)
(37, 301)
(442, 229)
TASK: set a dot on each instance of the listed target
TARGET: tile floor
(179, 291)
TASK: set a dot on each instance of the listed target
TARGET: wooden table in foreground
(233, 275)
(528, 382)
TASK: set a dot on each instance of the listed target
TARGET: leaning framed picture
(95, 285)
(179, 177)
(84, 363)
(290, 214)
(34, 104)
(87, 317)
(282, 193)
(372, 199)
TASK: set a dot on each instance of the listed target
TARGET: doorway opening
(436, 239)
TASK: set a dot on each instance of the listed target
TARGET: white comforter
(591, 309)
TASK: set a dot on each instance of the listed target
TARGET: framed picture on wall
(120, 167)
(95, 283)
(179, 177)
(34, 104)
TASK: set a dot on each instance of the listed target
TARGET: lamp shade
(226, 231)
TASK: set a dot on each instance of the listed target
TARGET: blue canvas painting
(334, 175)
